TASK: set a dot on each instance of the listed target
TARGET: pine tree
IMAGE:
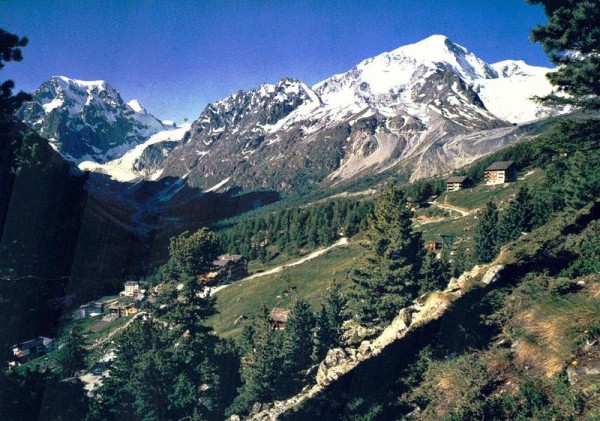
(193, 254)
(435, 273)
(71, 357)
(297, 344)
(260, 365)
(328, 331)
(119, 396)
(517, 217)
(387, 280)
(462, 260)
(10, 50)
(184, 305)
(486, 235)
(541, 208)
(572, 40)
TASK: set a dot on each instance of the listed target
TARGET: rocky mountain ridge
(419, 110)
(87, 120)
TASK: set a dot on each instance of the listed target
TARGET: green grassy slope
(309, 280)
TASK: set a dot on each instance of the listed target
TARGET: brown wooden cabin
(457, 182)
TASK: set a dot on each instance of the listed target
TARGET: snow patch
(218, 185)
(135, 105)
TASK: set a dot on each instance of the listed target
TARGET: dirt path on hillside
(342, 241)
(108, 337)
(462, 211)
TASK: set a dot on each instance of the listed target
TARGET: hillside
(312, 279)
(524, 328)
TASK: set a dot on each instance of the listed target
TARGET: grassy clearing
(309, 280)
(460, 227)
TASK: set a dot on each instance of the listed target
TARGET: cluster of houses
(228, 268)
(128, 304)
(499, 172)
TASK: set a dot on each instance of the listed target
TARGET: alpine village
(424, 250)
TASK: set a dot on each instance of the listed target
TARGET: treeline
(421, 190)
(291, 230)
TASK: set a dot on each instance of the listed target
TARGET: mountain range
(419, 110)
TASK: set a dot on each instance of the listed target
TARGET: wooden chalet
(500, 172)
(278, 318)
(121, 309)
(457, 182)
(231, 267)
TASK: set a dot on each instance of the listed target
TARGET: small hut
(278, 317)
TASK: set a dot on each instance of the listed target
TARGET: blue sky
(177, 56)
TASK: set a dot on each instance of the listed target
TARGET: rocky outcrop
(424, 310)
(492, 275)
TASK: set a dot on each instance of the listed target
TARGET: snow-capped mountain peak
(440, 49)
(81, 84)
(387, 79)
(87, 120)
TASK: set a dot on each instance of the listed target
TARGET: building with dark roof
(231, 267)
(34, 348)
(457, 182)
(500, 172)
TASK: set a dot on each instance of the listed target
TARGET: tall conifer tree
(435, 274)
(571, 38)
(387, 279)
(486, 234)
(517, 217)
